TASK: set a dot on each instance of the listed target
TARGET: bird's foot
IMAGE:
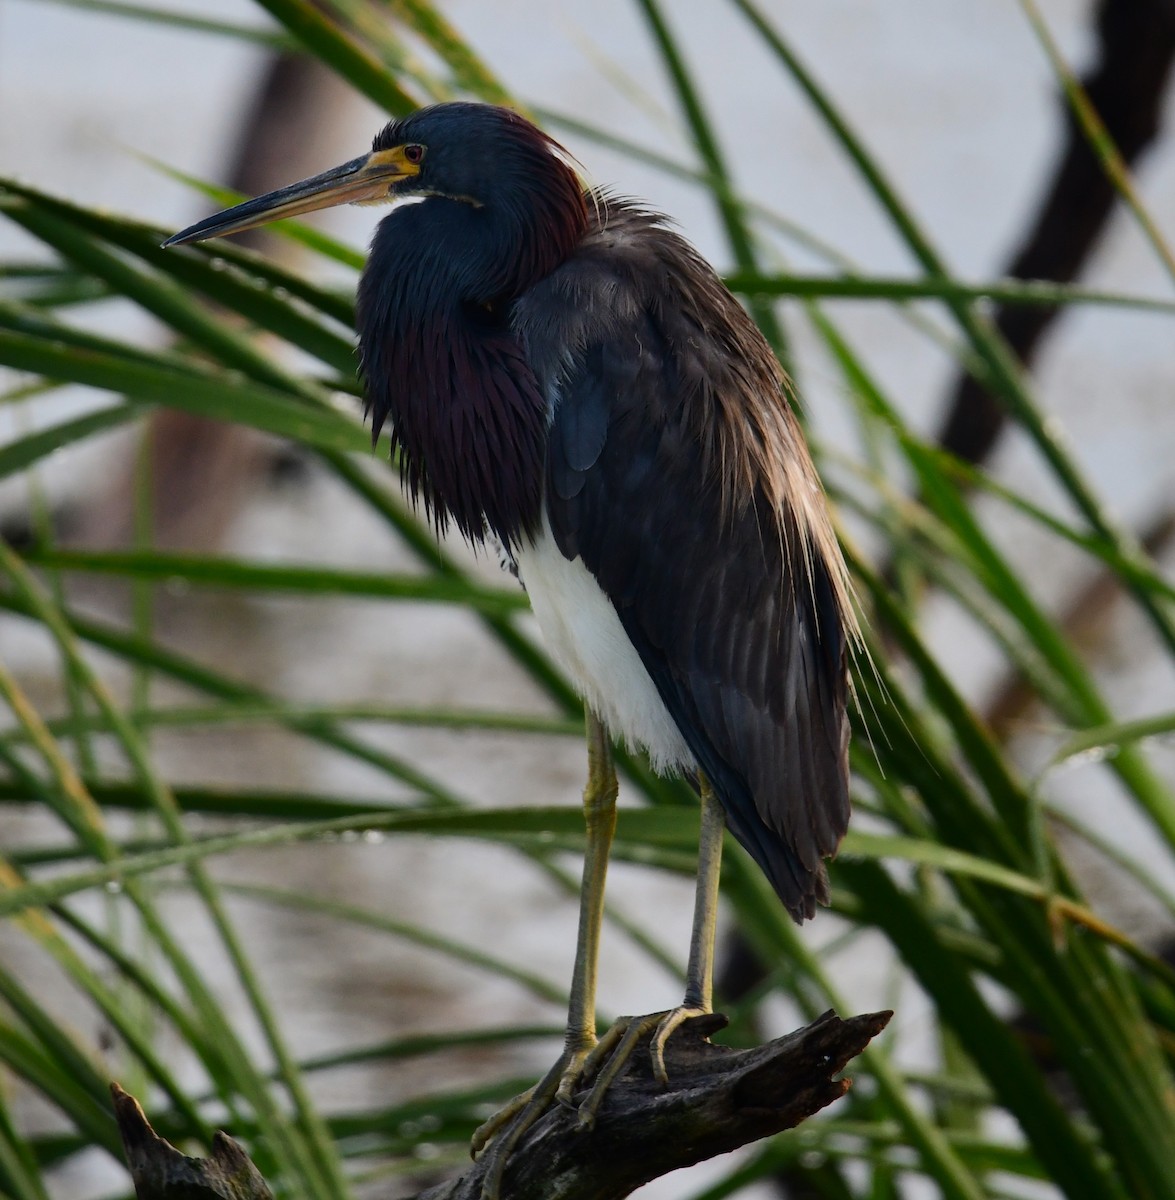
(614, 1050)
(599, 1063)
(506, 1128)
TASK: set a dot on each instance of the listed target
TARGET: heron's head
(477, 154)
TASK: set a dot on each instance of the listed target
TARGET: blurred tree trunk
(202, 471)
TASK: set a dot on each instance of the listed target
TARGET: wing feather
(716, 552)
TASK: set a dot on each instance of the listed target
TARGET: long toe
(489, 1129)
(614, 1051)
(610, 1057)
(505, 1129)
(670, 1022)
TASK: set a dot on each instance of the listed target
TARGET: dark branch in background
(1137, 47)
(717, 1100)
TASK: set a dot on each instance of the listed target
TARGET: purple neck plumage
(438, 358)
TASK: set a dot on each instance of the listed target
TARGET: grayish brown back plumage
(677, 472)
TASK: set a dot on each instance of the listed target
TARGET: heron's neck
(442, 366)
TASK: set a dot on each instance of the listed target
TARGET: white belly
(584, 634)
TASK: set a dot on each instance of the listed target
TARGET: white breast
(584, 634)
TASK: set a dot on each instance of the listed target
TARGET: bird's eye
(414, 153)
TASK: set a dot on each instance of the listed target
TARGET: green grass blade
(470, 956)
(709, 150)
(184, 670)
(1071, 1162)
(311, 1156)
(221, 398)
(1031, 292)
(163, 298)
(237, 280)
(470, 71)
(188, 22)
(35, 1060)
(1109, 737)
(529, 828)
(1000, 370)
(18, 1166)
(282, 712)
(110, 1004)
(309, 25)
(1097, 137)
(258, 577)
(24, 452)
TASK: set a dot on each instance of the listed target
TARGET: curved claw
(615, 1048)
(489, 1129)
(574, 1072)
(670, 1021)
(507, 1127)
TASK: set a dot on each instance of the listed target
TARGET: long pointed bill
(362, 180)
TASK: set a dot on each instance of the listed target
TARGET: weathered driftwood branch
(718, 1099)
(161, 1172)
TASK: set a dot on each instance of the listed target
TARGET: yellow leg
(599, 811)
(509, 1125)
(699, 975)
(616, 1046)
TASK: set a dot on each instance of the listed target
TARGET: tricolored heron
(565, 375)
